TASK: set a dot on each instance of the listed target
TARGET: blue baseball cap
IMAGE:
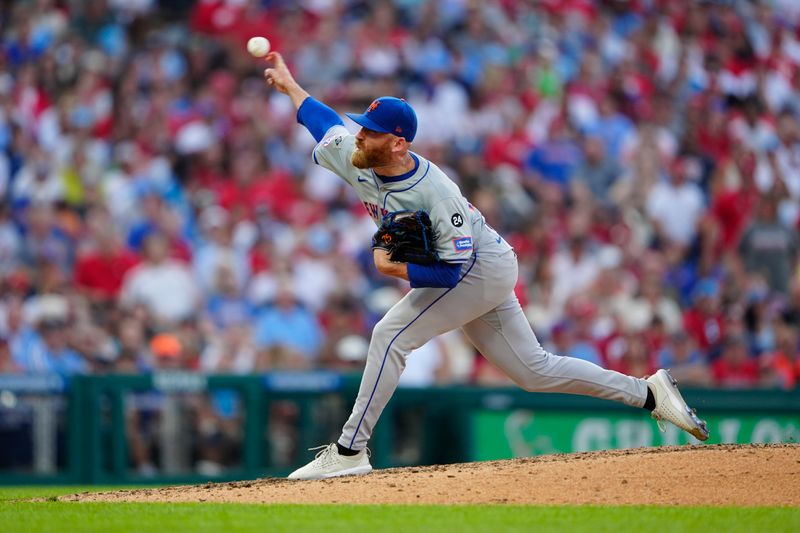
(388, 115)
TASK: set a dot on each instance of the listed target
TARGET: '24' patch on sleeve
(462, 244)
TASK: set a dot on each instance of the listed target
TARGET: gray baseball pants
(484, 306)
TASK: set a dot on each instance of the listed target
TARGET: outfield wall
(192, 427)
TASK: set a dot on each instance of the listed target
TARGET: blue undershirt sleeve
(317, 117)
(439, 274)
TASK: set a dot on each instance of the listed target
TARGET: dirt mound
(683, 475)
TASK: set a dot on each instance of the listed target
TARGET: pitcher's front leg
(404, 329)
(420, 316)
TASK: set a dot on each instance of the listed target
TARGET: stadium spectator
(781, 367)
(704, 320)
(598, 171)
(158, 217)
(101, 267)
(36, 182)
(132, 353)
(684, 360)
(164, 287)
(230, 352)
(219, 252)
(226, 306)
(45, 347)
(651, 303)
(734, 368)
(733, 205)
(7, 364)
(345, 332)
(612, 127)
(10, 242)
(675, 205)
(787, 158)
(286, 323)
(557, 158)
(168, 353)
(636, 359)
(759, 317)
(791, 312)
(769, 248)
(44, 240)
(576, 266)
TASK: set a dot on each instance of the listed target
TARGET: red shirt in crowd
(103, 274)
(785, 368)
(706, 330)
(733, 210)
(509, 148)
(275, 190)
(744, 374)
(714, 140)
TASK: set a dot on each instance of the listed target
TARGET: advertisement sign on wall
(523, 432)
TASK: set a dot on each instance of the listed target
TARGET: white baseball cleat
(670, 406)
(328, 463)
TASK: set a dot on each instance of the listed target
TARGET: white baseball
(258, 46)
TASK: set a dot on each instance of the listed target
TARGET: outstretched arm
(311, 113)
(279, 77)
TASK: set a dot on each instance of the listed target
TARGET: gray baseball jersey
(482, 304)
(457, 223)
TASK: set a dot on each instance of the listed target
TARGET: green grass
(45, 491)
(28, 517)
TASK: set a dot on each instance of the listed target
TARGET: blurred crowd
(160, 209)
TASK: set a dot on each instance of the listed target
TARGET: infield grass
(52, 516)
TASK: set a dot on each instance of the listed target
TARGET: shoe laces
(659, 422)
(325, 456)
(323, 448)
(327, 452)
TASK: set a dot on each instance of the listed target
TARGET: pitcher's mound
(683, 475)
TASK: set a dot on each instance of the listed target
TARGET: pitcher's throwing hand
(278, 76)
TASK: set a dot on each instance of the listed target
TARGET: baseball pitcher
(462, 275)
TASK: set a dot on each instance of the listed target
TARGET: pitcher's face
(373, 149)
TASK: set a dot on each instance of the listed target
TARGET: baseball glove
(408, 236)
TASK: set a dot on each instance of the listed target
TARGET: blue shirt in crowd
(296, 328)
(32, 355)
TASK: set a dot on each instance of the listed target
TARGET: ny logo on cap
(373, 106)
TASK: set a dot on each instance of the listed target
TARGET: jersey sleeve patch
(337, 140)
(462, 244)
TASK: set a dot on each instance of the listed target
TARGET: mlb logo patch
(462, 244)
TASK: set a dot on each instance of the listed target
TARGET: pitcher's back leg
(504, 337)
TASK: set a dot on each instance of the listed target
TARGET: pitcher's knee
(534, 382)
(535, 378)
(390, 341)
(383, 331)
(530, 382)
